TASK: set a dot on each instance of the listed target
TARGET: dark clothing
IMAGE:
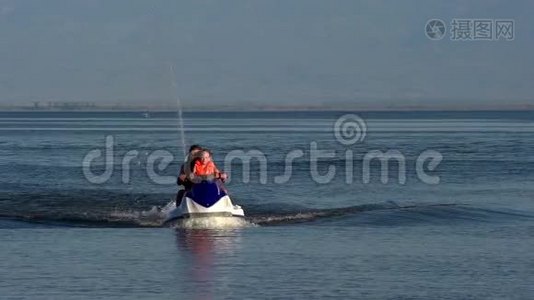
(186, 183)
(179, 197)
(185, 172)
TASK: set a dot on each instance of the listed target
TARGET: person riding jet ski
(205, 169)
(185, 171)
(204, 194)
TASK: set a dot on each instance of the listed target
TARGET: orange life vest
(205, 169)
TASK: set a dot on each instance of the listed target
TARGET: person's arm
(219, 174)
(181, 176)
(191, 176)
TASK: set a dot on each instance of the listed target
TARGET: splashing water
(213, 223)
(205, 222)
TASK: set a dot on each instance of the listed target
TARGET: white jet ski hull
(190, 209)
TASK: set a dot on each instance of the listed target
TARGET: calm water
(469, 237)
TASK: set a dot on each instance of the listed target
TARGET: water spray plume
(179, 108)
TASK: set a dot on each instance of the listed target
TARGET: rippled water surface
(469, 237)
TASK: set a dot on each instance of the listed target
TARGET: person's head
(194, 149)
(205, 156)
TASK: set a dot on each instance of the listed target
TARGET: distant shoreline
(61, 106)
(343, 109)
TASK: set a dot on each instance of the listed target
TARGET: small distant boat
(146, 115)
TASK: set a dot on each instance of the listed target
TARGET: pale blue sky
(260, 52)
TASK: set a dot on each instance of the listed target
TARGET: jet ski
(205, 199)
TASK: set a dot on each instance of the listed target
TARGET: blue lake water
(468, 237)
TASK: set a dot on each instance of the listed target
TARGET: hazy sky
(260, 52)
